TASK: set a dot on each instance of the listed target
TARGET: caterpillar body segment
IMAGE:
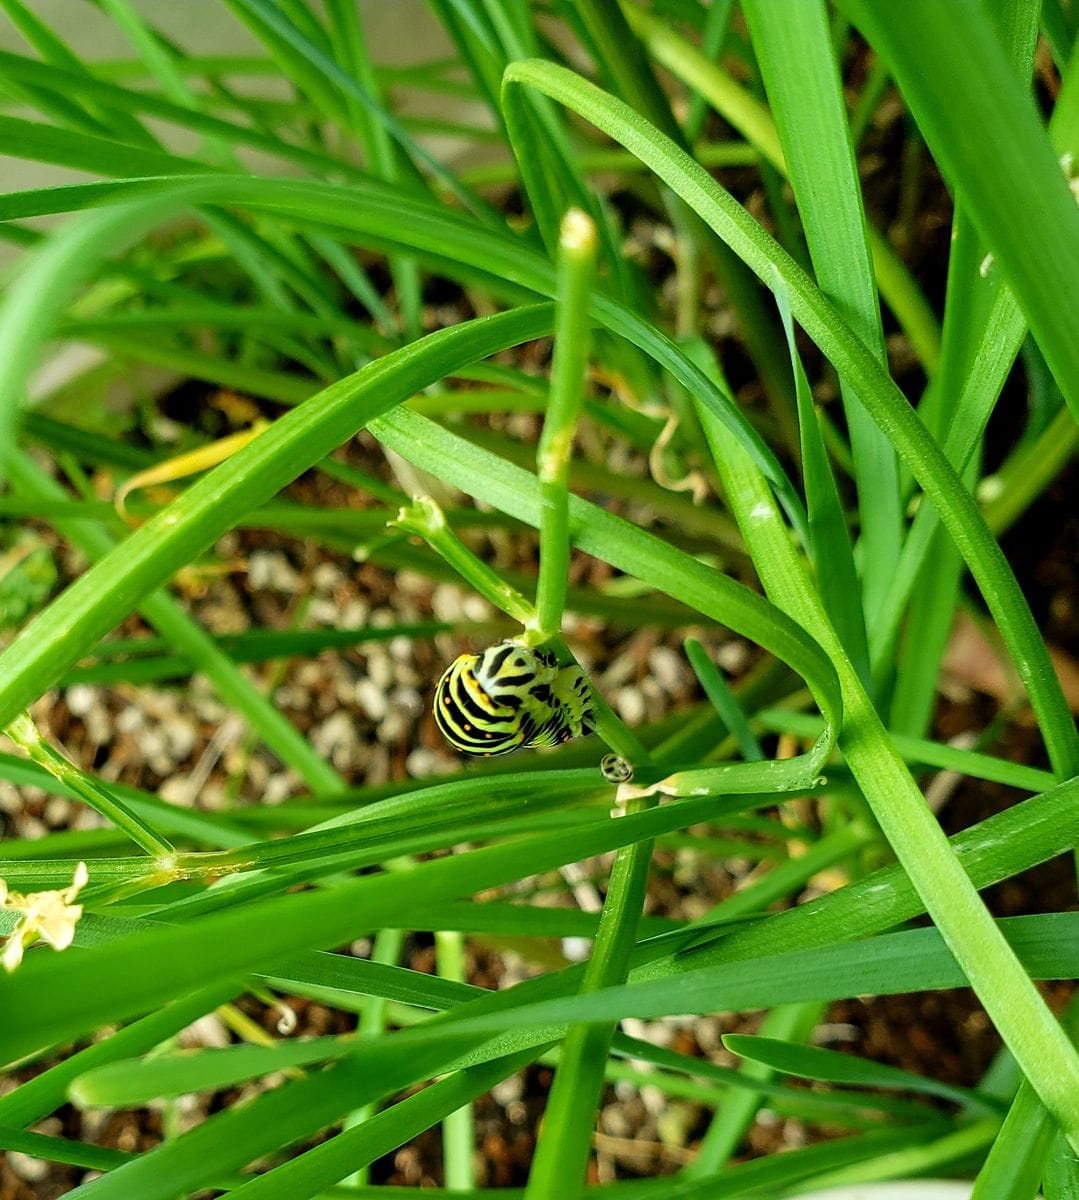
(511, 696)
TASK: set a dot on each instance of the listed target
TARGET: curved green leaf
(106, 593)
(980, 122)
(385, 218)
(829, 1066)
(875, 388)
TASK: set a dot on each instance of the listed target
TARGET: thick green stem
(425, 519)
(25, 734)
(558, 1169)
(1040, 1046)
(458, 1128)
(576, 270)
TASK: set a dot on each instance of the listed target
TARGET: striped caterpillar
(510, 696)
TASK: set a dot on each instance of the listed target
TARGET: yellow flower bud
(50, 916)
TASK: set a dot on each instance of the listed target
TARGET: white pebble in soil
(668, 670)
(29, 1170)
(630, 705)
(81, 698)
(335, 739)
(380, 668)
(270, 570)
(371, 698)
(327, 577)
(423, 762)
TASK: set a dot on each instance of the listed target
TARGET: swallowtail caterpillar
(511, 696)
